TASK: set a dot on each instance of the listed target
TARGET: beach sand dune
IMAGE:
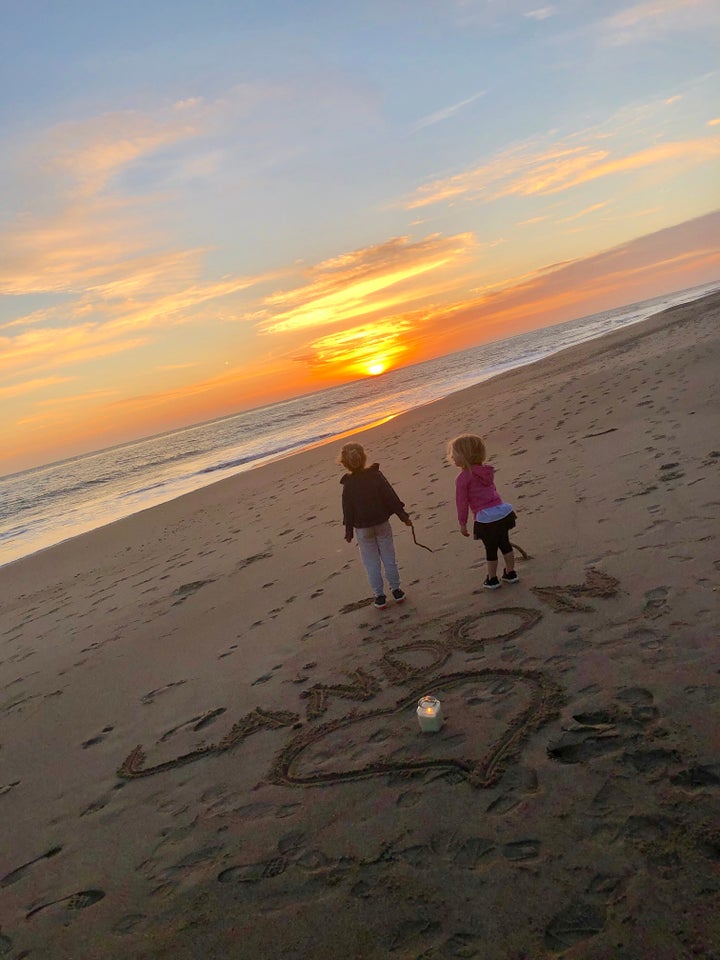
(208, 743)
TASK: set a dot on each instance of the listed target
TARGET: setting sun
(375, 368)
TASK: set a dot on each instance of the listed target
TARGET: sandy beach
(208, 741)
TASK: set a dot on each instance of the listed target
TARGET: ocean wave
(262, 454)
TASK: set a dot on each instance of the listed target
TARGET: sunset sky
(211, 205)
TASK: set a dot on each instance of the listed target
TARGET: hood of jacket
(484, 473)
(349, 476)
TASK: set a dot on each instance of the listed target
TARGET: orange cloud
(48, 348)
(690, 152)
(355, 284)
(56, 406)
(352, 352)
(82, 243)
(583, 213)
(32, 386)
(532, 172)
(683, 255)
(38, 350)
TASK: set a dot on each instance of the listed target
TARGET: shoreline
(294, 451)
(209, 746)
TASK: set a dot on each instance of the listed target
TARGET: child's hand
(464, 531)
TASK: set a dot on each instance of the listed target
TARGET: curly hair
(353, 457)
(466, 450)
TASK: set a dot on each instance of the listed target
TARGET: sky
(211, 206)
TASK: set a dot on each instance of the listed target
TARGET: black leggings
(495, 536)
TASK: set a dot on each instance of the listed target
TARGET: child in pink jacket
(493, 518)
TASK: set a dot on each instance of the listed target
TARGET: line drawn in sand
(545, 700)
(133, 765)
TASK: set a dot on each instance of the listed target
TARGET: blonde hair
(466, 450)
(353, 457)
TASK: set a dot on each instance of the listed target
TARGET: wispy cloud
(106, 325)
(533, 169)
(97, 249)
(685, 254)
(92, 152)
(75, 399)
(542, 13)
(583, 213)
(39, 350)
(80, 248)
(689, 153)
(445, 113)
(32, 386)
(363, 282)
(643, 22)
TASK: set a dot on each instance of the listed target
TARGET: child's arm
(347, 515)
(462, 500)
(393, 501)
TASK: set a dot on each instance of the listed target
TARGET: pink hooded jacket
(475, 490)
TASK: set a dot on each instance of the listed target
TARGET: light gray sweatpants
(377, 551)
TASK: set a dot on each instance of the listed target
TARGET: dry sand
(208, 745)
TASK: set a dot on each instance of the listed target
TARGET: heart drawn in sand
(494, 708)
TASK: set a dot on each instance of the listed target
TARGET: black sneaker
(510, 577)
(398, 595)
(381, 601)
(491, 583)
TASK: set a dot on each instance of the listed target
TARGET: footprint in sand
(20, 872)
(97, 739)
(521, 850)
(75, 901)
(97, 805)
(656, 599)
(357, 605)
(695, 778)
(416, 929)
(708, 843)
(128, 923)
(579, 921)
(253, 872)
(187, 589)
(150, 697)
(263, 679)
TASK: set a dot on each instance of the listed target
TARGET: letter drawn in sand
(363, 687)
(460, 636)
(134, 764)
(562, 599)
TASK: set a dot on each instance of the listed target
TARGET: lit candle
(429, 714)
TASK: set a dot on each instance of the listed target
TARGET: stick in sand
(415, 540)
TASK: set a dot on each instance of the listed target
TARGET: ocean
(49, 504)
